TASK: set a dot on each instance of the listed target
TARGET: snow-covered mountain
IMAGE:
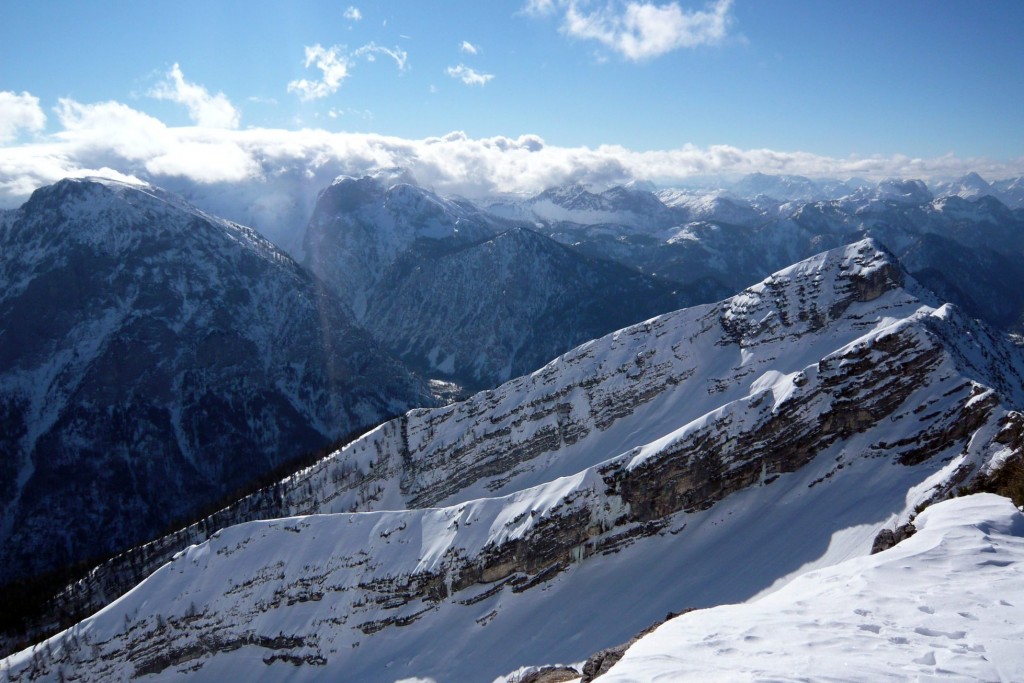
(968, 249)
(1011, 192)
(789, 187)
(696, 459)
(465, 295)
(621, 209)
(152, 360)
(715, 207)
(970, 186)
(897, 191)
(361, 226)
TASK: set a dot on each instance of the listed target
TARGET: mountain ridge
(883, 408)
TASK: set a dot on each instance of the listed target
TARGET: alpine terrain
(968, 247)
(462, 294)
(703, 457)
(153, 359)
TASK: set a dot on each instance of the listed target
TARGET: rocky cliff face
(699, 457)
(153, 359)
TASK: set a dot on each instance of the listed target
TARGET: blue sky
(910, 79)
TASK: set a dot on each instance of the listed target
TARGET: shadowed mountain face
(361, 226)
(153, 359)
(694, 459)
(503, 307)
(463, 295)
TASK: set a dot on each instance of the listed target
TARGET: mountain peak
(973, 178)
(912, 192)
(113, 216)
(783, 187)
(814, 291)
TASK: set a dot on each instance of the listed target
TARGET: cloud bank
(111, 138)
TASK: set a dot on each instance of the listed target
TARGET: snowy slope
(714, 206)
(153, 359)
(701, 457)
(942, 605)
(639, 384)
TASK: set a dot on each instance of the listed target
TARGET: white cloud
(352, 14)
(364, 114)
(370, 51)
(334, 67)
(110, 138)
(640, 30)
(18, 113)
(110, 128)
(208, 111)
(539, 7)
(469, 76)
(469, 48)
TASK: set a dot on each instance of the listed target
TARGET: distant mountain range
(969, 249)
